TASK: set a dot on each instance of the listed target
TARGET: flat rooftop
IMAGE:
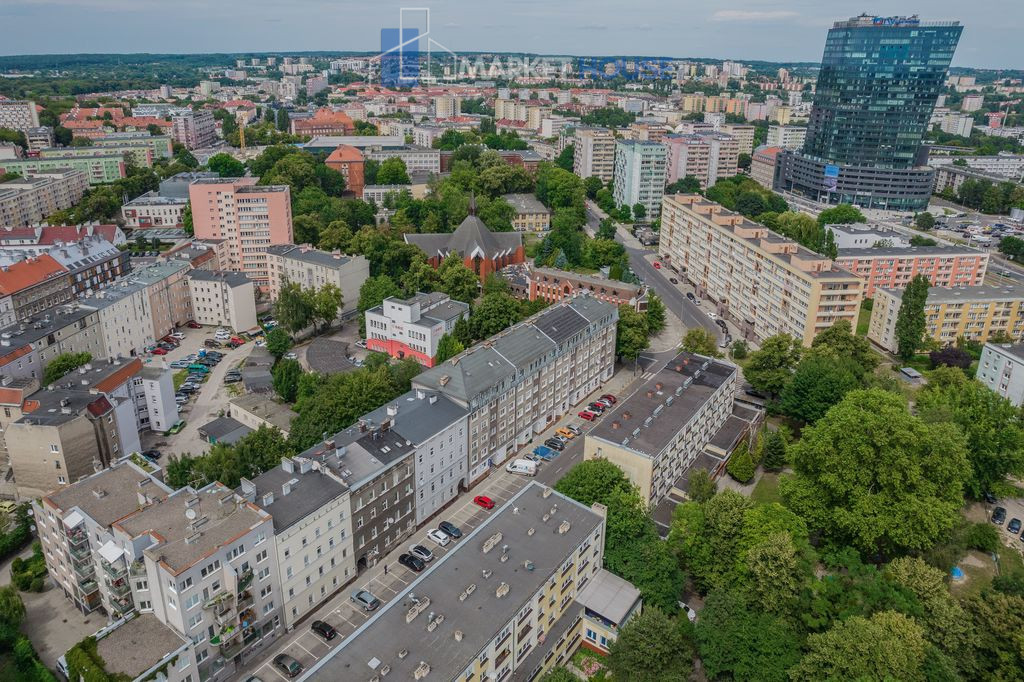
(479, 616)
(107, 496)
(979, 294)
(307, 254)
(234, 279)
(908, 252)
(294, 494)
(648, 420)
(267, 409)
(137, 645)
(1014, 349)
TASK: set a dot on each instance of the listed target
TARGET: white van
(522, 466)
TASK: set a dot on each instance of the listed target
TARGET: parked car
(290, 356)
(673, 280)
(414, 564)
(554, 444)
(610, 398)
(544, 453)
(585, 414)
(288, 665)
(1013, 526)
(196, 367)
(237, 339)
(151, 455)
(179, 364)
(596, 407)
(439, 537)
(451, 529)
(691, 615)
(575, 429)
(607, 403)
(211, 343)
(565, 433)
(421, 552)
(657, 265)
(483, 501)
(361, 343)
(325, 630)
(187, 388)
(192, 324)
(232, 378)
(998, 515)
(691, 297)
(178, 336)
(365, 600)
(158, 351)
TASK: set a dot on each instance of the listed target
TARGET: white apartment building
(31, 199)
(154, 398)
(1001, 368)
(787, 137)
(223, 298)
(194, 129)
(412, 327)
(765, 283)
(18, 115)
(312, 268)
(417, 159)
(957, 124)
(447, 106)
(518, 382)
(640, 175)
(312, 542)
(709, 157)
(594, 153)
(152, 210)
(39, 138)
(424, 135)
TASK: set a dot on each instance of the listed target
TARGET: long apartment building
(765, 283)
(29, 200)
(250, 218)
(709, 157)
(975, 313)
(594, 153)
(27, 347)
(18, 114)
(894, 267)
(91, 261)
(312, 268)
(511, 600)
(100, 166)
(1001, 368)
(516, 383)
(640, 175)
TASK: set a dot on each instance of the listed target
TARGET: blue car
(544, 452)
(1013, 526)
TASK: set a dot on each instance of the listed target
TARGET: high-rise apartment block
(30, 200)
(594, 153)
(765, 283)
(194, 129)
(709, 157)
(447, 106)
(640, 175)
(879, 80)
(18, 115)
(249, 217)
(312, 268)
(787, 137)
(894, 267)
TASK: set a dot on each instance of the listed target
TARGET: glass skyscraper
(879, 80)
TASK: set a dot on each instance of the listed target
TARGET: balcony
(87, 587)
(244, 580)
(225, 614)
(123, 605)
(116, 571)
(83, 570)
(245, 600)
(77, 537)
(232, 649)
(137, 569)
(80, 552)
(119, 587)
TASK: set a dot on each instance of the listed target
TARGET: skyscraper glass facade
(879, 80)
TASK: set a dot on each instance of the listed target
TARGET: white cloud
(751, 15)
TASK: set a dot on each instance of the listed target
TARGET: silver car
(365, 600)
(421, 552)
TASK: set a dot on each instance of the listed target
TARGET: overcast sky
(774, 30)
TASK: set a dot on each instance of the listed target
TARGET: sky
(771, 30)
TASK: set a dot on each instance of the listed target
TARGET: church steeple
(472, 203)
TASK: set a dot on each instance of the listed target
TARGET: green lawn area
(863, 320)
(179, 378)
(585, 659)
(767, 489)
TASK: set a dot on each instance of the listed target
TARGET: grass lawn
(767, 489)
(863, 320)
(581, 658)
(179, 378)
(980, 570)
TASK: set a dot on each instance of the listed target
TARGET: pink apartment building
(249, 218)
(893, 268)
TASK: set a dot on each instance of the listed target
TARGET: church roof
(470, 239)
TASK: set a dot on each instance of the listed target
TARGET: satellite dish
(190, 514)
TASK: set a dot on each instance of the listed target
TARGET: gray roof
(609, 595)
(419, 415)
(61, 406)
(266, 408)
(908, 252)
(481, 615)
(137, 645)
(648, 420)
(500, 358)
(307, 493)
(233, 279)
(224, 430)
(469, 237)
(1014, 349)
(526, 203)
(306, 254)
(968, 294)
(60, 317)
(108, 495)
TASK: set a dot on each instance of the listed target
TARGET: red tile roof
(120, 376)
(100, 407)
(345, 152)
(29, 272)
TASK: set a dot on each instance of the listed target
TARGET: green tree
(872, 475)
(592, 185)
(701, 487)
(740, 350)
(559, 674)
(293, 308)
(910, 320)
(447, 347)
(12, 608)
(186, 221)
(283, 122)
(286, 375)
(278, 342)
(741, 464)
(325, 304)
(336, 236)
(639, 211)
(843, 214)
(494, 313)
(887, 646)
(924, 220)
(392, 172)
(687, 185)
(818, 383)
(943, 619)
(998, 620)
(992, 425)
(64, 363)
(655, 314)
(456, 280)
(226, 166)
(1012, 247)
(565, 158)
(839, 341)
(652, 647)
(371, 294)
(702, 342)
(771, 368)
(631, 338)
(773, 457)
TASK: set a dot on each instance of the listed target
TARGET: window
(263, 574)
(185, 584)
(262, 556)
(202, 655)
(195, 620)
(268, 607)
(192, 602)
(172, 603)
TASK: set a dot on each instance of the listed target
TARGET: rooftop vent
(402, 654)
(531, 531)
(432, 625)
(563, 528)
(458, 635)
(422, 670)
(268, 499)
(547, 493)
(486, 573)
(491, 542)
(502, 590)
(528, 565)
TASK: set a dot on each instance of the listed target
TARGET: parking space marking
(274, 668)
(306, 650)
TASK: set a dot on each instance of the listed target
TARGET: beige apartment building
(223, 298)
(594, 153)
(29, 200)
(765, 283)
(709, 157)
(974, 313)
(742, 133)
(170, 304)
(27, 347)
(531, 215)
(516, 383)
(312, 268)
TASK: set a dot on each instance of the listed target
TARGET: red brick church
(484, 252)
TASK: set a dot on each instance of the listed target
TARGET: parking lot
(203, 405)
(1014, 510)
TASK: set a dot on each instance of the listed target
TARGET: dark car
(187, 388)
(990, 498)
(450, 529)
(192, 324)
(151, 455)
(288, 665)
(673, 280)
(232, 378)
(691, 297)
(596, 407)
(998, 515)
(413, 563)
(1013, 526)
(325, 630)
(210, 343)
(554, 444)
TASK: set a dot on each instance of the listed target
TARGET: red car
(588, 415)
(158, 351)
(237, 339)
(657, 265)
(192, 324)
(610, 398)
(483, 501)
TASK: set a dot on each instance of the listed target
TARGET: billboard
(831, 178)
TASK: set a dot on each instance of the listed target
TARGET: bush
(983, 536)
(38, 585)
(741, 465)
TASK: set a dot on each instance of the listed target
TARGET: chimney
(393, 408)
(616, 425)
